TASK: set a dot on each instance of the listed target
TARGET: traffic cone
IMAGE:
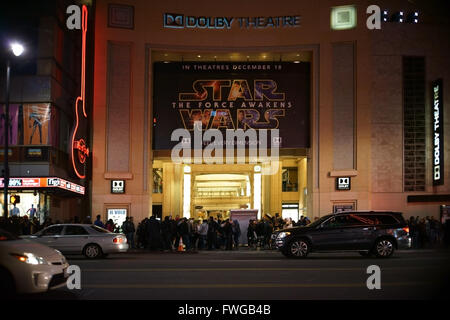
(180, 245)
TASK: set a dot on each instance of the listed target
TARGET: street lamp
(17, 49)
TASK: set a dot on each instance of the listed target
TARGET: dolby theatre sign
(438, 133)
(181, 21)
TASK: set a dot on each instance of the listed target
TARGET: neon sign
(438, 133)
(43, 182)
(79, 149)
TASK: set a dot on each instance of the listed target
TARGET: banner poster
(13, 124)
(36, 118)
(233, 95)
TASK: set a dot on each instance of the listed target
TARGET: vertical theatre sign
(438, 133)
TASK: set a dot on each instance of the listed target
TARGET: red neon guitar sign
(80, 150)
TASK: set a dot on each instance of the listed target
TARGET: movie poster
(13, 130)
(36, 119)
(227, 95)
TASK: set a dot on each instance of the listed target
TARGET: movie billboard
(228, 95)
(36, 118)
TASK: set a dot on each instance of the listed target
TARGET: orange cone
(180, 245)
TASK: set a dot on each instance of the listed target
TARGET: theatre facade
(333, 115)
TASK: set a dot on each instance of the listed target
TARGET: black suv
(374, 232)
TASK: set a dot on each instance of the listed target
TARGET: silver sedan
(87, 239)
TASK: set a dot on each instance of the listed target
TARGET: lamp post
(17, 49)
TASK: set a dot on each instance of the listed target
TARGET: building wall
(370, 150)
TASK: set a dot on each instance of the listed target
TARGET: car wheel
(92, 251)
(384, 248)
(7, 286)
(298, 248)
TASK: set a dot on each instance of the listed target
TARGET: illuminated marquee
(45, 182)
(79, 149)
(438, 133)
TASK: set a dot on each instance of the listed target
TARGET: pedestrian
(154, 233)
(26, 226)
(414, 232)
(110, 225)
(173, 232)
(166, 234)
(228, 234)
(212, 233)
(194, 234)
(183, 231)
(236, 233)
(268, 229)
(252, 237)
(128, 229)
(288, 223)
(99, 223)
(203, 234)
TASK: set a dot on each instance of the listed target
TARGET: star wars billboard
(232, 96)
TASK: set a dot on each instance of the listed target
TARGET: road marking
(241, 269)
(249, 285)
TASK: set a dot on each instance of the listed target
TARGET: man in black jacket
(154, 231)
(166, 234)
(212, 233)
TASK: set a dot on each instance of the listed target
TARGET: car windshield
(98, 229)
(319, 221)
(6, 236)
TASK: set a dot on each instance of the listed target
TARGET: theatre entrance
(200, 191)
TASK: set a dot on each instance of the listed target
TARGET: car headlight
(283, 235)
(30, 258)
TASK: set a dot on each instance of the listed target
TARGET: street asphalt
(257, 275)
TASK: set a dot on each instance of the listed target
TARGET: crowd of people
(215, 233)
(199, 234)
(428, 232)
(24, 225)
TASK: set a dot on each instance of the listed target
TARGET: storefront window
(290, 180)
(158, 180)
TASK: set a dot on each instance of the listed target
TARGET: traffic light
(14, 199)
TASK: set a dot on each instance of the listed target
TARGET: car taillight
(406, 229)
(118, 240)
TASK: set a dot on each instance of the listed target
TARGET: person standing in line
(154, 231)
(165, 234)
(183, 230)
(128, 230)
(252, 237)
(228, 234)
(99, 222)
(212, 233)
(203, 234)
(173, 232)
(110, 225)
(236, 233)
